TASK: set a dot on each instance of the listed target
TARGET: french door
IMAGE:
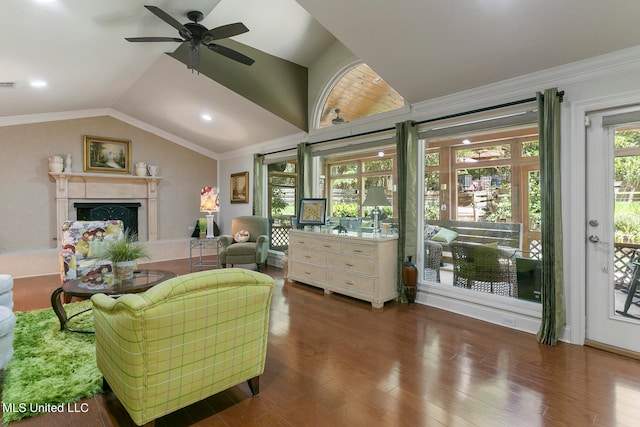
(612, 218)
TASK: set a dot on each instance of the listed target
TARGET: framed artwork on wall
(239, 187)
(107, 155)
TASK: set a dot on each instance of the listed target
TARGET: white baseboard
(511, 313)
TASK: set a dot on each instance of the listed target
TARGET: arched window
(357, 92)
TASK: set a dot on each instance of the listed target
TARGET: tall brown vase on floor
(410, 279)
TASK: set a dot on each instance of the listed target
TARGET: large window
(485, 187)
(357, 92)
(350, 178)
(282, 197)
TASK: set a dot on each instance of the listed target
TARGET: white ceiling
(423, 48)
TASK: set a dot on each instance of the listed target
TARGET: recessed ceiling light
(206, 117)
(45, 1)
(38, 83)
(466, 142)
(380, 153)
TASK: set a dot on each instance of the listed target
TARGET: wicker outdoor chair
(484, 268)
(432, 260)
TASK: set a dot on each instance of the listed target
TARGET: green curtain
(304, 169)
(552, 288)
(407, 194)
(259, 207)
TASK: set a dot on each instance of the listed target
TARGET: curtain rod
(450, 116)
(333, 139)
(482, 110)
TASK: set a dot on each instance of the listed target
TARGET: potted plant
(123, 254)
(202, 226)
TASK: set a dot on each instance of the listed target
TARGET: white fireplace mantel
(96, 186)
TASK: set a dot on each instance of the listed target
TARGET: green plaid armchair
(183, 340)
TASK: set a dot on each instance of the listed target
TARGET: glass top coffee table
(106, 284)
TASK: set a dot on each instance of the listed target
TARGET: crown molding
(98, 112)
(526, 86)
(163, 134)
(284, 143)
(28, 119)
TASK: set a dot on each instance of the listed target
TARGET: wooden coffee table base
(98, 284)
(58, 309)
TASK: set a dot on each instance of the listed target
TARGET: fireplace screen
(126, 212)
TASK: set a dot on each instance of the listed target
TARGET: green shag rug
(49, 367)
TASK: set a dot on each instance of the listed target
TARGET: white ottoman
(6, 294)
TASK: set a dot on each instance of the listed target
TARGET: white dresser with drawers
(356, 264)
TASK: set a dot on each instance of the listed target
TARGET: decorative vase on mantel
(410, 279)
(56, 164)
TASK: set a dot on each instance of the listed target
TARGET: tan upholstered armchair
(183, 340)
(255, 249)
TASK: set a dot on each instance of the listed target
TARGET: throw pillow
(445, 235)
(241, 236)
(430, 231)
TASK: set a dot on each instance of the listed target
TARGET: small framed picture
(240, 187)
(107, 155)
(312, 212)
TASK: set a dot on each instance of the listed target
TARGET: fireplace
(126, 212)
(94, 190)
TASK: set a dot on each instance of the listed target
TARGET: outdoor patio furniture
(484, 268)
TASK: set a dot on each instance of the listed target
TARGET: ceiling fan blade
(231, 54)
(153, 39)
(225, 31)
(169, 19)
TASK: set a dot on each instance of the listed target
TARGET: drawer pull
(357, 251)
(326, 246)
(348, 265)
(307, 272)
(307, 256)
(348, 282)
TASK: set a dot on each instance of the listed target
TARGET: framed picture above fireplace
(107, 155)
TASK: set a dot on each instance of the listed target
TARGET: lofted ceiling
(423, 48)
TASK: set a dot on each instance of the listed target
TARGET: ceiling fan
(337, 120)
(197, 35)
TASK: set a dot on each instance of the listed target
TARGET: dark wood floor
(335, 361)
